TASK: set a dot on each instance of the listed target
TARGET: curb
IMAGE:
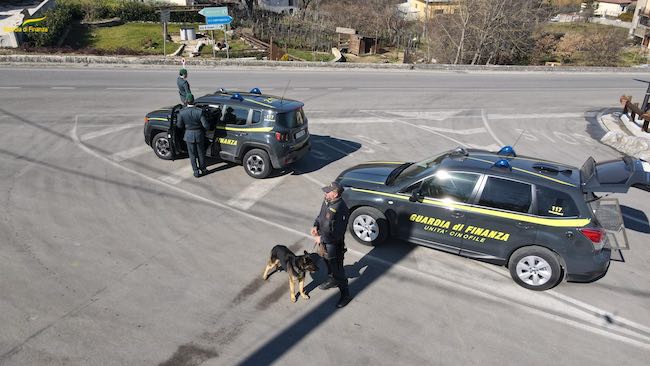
(619, 138)
(84, 60)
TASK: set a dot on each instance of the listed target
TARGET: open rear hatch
(615, 176)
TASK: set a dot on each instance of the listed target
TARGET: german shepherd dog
(295, 265)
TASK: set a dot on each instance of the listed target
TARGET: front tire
(162, 147)
(257, 163)
(368, 226)
(535, 268)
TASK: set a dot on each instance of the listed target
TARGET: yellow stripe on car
(554, 222)
(157, 119)
(256, 102)
(246, 129)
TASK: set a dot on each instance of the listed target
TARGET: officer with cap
(329, 230)
(195, 124)
(183, 86)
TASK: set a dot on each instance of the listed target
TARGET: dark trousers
(335, 268)
(196, 150)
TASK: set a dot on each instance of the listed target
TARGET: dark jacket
(331, 223)
(194, 122)
(183, 88)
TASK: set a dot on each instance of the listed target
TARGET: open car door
(615, 176)
(174, 135)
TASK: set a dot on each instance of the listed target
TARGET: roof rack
(459, 151)
(548, 168)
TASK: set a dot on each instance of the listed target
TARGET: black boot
(344, 299)
(331, 282)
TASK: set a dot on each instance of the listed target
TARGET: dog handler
(329, 230)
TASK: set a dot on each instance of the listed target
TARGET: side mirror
(416, 197)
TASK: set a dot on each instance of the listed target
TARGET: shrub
(56, 21)
(626, 17)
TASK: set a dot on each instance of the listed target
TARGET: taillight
(281, 136)
(596, 237)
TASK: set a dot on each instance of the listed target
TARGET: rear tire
(535, 268)
(368, 226)
(162, 147)
(257, 163)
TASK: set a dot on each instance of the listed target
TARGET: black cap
(334, 186)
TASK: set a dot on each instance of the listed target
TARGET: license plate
(300, 134)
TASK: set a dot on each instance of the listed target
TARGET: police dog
(295, 265)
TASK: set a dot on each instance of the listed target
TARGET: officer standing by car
(183, 85)
(195, 124)
(329, 230)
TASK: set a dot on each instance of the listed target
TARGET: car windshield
(409, 171)
(291, 119)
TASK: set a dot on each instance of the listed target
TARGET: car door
(434, 215)
(233, 131)
(501, 219)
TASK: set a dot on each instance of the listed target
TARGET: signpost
(216, 18)
(164, 19)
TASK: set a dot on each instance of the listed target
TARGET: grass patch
(141, 37)
(310, 56)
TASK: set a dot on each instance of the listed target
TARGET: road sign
(214, 11)
(164, 16)
(210, 26)
(223, 19)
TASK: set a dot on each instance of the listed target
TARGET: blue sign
(223, 19)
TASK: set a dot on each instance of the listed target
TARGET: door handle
(569, 234)
(457, 214)
(242, 134)
(523, 225)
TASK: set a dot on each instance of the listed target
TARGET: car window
(257, 117)
(213, 113)
(450, 185)
(506, 195)
(235, 115)
(551, 202)
(413, 170)
(291, 119)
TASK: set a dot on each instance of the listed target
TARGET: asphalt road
(109, 256)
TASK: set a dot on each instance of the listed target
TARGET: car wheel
(535, 268)
(162, 146)
(257, 163)
(368, 226)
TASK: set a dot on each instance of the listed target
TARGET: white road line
(422, 128)
(254, 192)
(310, 178)
(130, 153)
(10, 87)
(178, 176)
(469, 131)
(484, 116)
(106, 131)
(542, 115)
(346, 120)
(452, 284)
(301, 89)
(334, 88)
(144, 88)
(63, 87)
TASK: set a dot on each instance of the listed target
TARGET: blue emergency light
(502, 164)
(507, 151)
(237, 96)
(256, 91)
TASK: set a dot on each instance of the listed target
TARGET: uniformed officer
(183, 86)
(329, 230)
(195, 124)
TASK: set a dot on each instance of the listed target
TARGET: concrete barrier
(158, 60)
(631, 145)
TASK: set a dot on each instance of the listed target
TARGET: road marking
(254, 192)
(106, 131)
(334, 88)
(10, 87)
(469, 131)
(301, 89)
(490, 147)
(494, 116)
(345, 120)
(468, 288)
(422, 128)
(63, 87)
(130, 153)
(370, 140)
(144, 88)
(439, 115)
(178, 176)
(484, 116)
(310, 178)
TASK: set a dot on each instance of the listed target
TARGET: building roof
(620, 2)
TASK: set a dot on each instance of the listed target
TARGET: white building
(612, 8)
(279, 6)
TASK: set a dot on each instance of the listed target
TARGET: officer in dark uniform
(329, 229)
(183, 86)
(195, 124)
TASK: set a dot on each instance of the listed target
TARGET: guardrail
(633, 110)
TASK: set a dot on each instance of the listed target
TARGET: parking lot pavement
(112, 256)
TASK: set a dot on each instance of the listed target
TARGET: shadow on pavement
(634, 219)
(324, 151)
